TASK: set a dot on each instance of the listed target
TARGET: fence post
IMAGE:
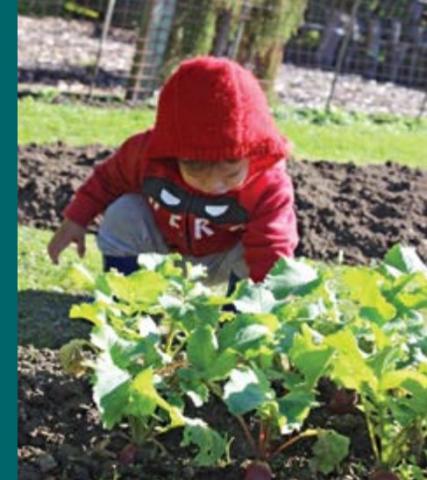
(342, 53)
(244, 16)
(140, 55)
(222, 28)
(105, 29)
(373, 46)
(423, 107)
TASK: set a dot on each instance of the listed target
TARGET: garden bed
(60, 436)
(359, 210)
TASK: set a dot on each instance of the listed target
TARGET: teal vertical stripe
(8, 350)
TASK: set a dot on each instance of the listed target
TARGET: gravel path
(302, 87)
(61, 53)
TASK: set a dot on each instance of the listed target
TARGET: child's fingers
(56, 246)
(81, 247)
(53, 251)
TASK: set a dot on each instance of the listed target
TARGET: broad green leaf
(80, 277)
(212, 447)
(191, 313)
(151, 261)
(246, 390)
(418, 400)
(416, 300)
(203, 313)
(104, 337)
(295, 406)
(202, 347)
(88, 311)
(199, 395)
(396, 378)
(141, 287)
(384, 361)
(222, 366)
(349, 366)
(364, 288)
(244, 332)
(111, 389)
(404, 259)
(290, 276)
(169, 266)
(191, 384)
(310, 359)
(254, 298)
(380, 338)
(196, 272)
(409, 292)
(285, 337)
(144, 392)
(329, 451)
(269, 320)
(143, 351)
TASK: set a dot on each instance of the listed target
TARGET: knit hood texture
(212, 109)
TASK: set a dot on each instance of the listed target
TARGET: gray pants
(128, 229)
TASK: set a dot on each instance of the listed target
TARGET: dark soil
(60, 436)
(361, 211)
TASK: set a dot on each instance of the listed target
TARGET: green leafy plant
(162, 345)
(161, 340)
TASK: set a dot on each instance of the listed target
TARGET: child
(208, 181)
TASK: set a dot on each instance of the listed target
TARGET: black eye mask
(177, 200)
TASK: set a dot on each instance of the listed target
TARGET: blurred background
(360, 55)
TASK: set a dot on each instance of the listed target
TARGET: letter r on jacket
(201, 227)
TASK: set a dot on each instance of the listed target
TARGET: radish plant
(162, 342)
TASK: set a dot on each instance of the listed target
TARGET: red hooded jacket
(211, 109)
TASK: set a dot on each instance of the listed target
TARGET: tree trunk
(222, 33)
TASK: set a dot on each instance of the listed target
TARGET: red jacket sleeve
(272, 230)
(118, 174)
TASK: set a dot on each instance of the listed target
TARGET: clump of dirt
(361, 211)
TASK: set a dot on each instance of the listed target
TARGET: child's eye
(194, 167)
(233, 175)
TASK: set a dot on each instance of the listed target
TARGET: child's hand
(68, 232)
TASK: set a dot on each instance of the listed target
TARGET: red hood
(213, 109)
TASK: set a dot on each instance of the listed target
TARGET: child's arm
(117, 175)
(272, 231)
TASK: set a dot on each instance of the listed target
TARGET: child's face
(214, 177)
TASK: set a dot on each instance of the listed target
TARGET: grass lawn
(46, 292)
(35, 270)
(338, 137)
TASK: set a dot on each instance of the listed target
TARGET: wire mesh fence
(369, 54)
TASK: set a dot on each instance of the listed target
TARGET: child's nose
(216, 187)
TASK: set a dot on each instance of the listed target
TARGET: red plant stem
(267, 438)
(284, 446)
(248, 435)
(262, 439)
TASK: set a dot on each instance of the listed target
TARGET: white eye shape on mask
(168, 198)
(216, 210)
